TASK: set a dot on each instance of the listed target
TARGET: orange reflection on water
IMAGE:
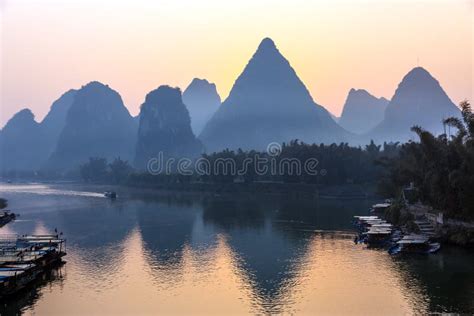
(336, 279)
(133, 285)
(333, 277)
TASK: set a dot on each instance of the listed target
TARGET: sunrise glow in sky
(50, 46)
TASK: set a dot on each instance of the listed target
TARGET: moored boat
(373, 231)
(414, 244)
(378, 237)
(14, 277)
(380, 207)
(364, 222)
(23, 258)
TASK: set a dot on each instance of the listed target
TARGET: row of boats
(377, 232)
(23, 259)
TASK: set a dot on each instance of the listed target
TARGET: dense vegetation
(442, 167)
(332, 164)
(98, 170)
(3, 203)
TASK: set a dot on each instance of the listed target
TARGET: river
(162, 253)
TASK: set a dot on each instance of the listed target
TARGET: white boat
(110, 194)
(415, 244)
(380, 207)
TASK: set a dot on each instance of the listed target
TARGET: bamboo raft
(24, 258)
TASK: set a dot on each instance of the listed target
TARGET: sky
(48, 47)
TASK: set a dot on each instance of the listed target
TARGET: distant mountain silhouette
(54, 122)
(202, 101)
(418, 100)
(26, 144)
(97, 125)
(22, 143)
(268, 103)
(165, 127)
(362, 111)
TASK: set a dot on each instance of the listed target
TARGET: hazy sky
(48, 47)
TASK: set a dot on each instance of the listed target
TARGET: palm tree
(465, 127)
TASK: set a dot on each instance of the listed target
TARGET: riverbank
(446, 230)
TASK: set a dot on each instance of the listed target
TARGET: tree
(95, 170)
(442, 168)
(119, 170)
(3, 203)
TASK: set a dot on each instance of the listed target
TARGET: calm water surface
(174, 254)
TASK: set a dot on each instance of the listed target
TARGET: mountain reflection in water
(182, 254)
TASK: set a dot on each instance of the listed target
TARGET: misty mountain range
(268, 103)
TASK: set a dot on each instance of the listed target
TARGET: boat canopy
(379, 232)
(381, 205)
(413, 236)
(382, 225)
(413, 239)
(375, 222)
(412, 242)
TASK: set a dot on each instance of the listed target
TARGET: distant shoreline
(294, 190)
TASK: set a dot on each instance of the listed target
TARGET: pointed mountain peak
(417, 95)
(266, 44)
(418, 74)
(21, 119)
(269, 70)
(268, 102)
(202, 101)
(420, 82)
(21, 143)
(419, 71)
(24, 116)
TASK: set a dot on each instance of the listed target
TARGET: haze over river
(150, 253)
